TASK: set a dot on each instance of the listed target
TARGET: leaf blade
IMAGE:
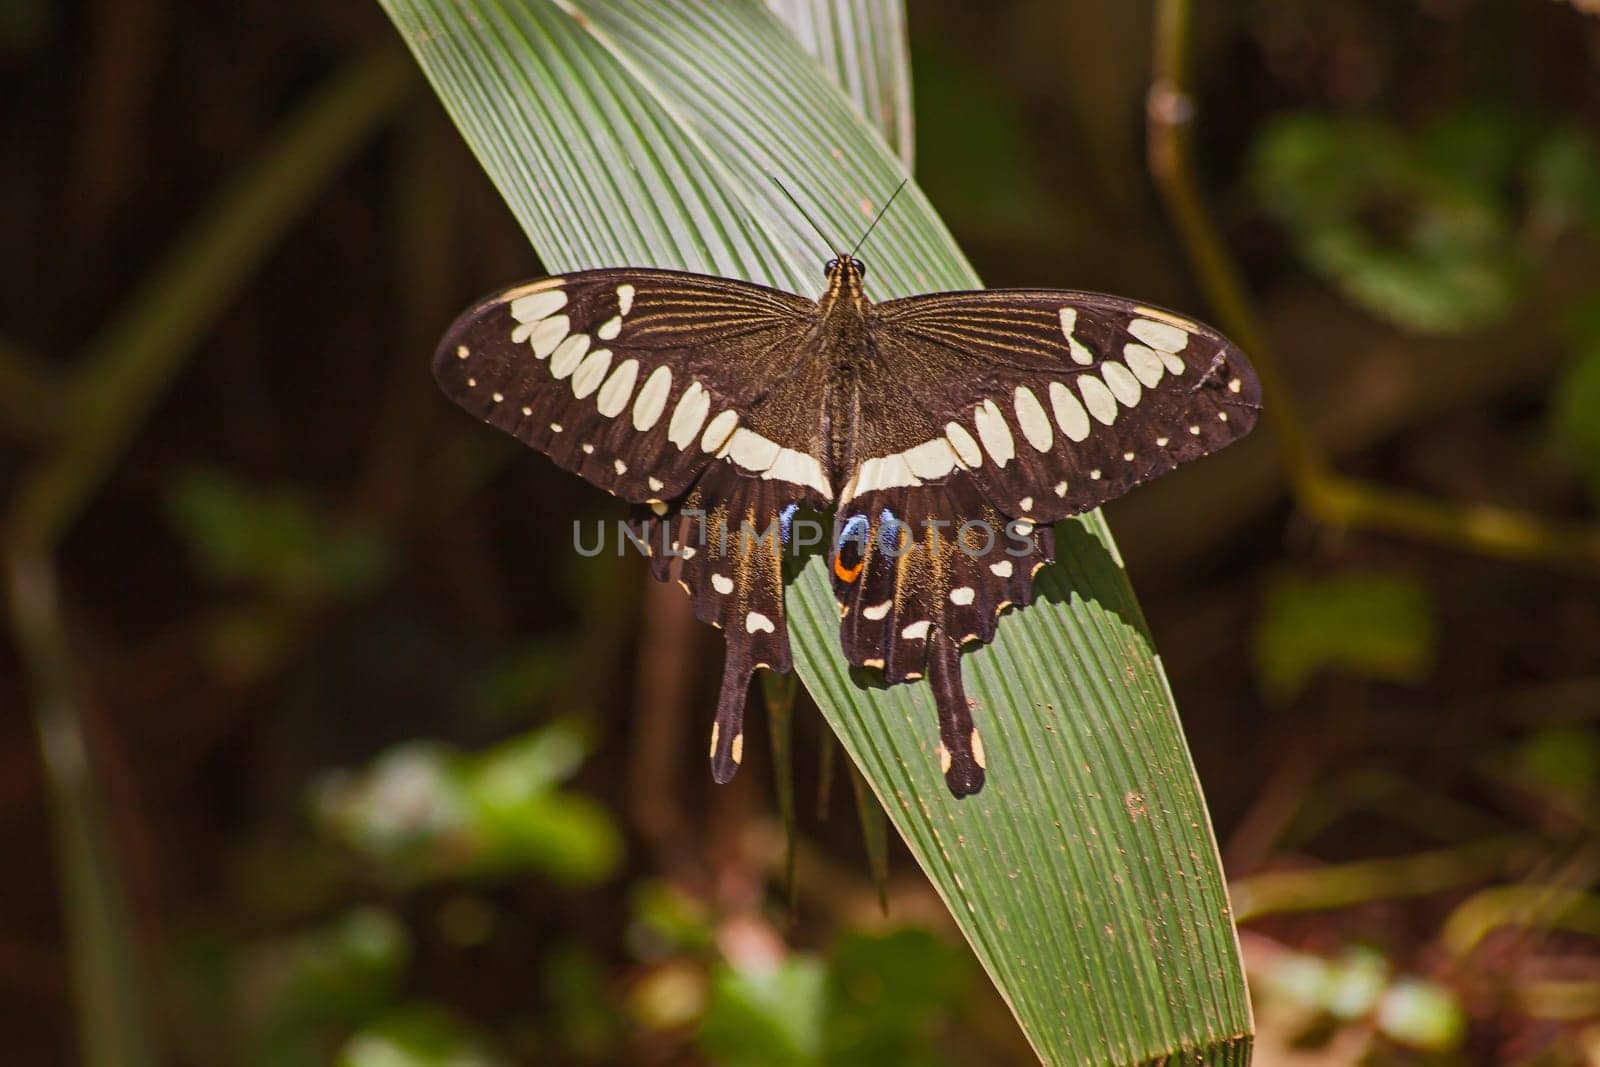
(700, 101)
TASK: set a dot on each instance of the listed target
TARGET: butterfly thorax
(845, 347)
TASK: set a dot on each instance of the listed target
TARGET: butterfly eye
(829, 267)
(861, 268)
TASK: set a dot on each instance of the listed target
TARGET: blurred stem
(779, 691)
(1324, 494)
(1542, 906)
(122, 375)
(1345, 884)
(874, 834)
(112, 1020)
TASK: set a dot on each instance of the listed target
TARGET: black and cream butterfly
(945, 432)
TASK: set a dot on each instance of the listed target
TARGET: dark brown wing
(986, 417)
(1055, 402)
(699, 399)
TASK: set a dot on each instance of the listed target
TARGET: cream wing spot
(620, 467)
(917, 631)
(1001, 569)
(1069, 323)
(568, 355)
(1124, 386)
(1061, 489)
(536, 306)
(689, 415)
(965, 447)
(1070, 416)
(994, 433)
(1144, 363)
(610, 328)
(548, 334)
(656, 484)
(463, 353)
(652, 399)
(877, 611)
(1031, 417)
(625, 298)
(591, 372)
(718, 431)
(931, 459)
(1161, 336)
(963, 595)
(722, 584)
(752, 451)
(757, 623)
(1098, 399)
(618, 389)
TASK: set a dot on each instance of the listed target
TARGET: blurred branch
(1323, 493)
(1342, 885)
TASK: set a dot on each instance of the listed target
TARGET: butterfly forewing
(634, 379)
(1054, 402)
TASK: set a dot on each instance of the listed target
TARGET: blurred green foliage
(276, 539)
(425, 812)
(1433, 231)
(420, 1035)
(1575, 403)
(1360, 987)
(1377, 626)
(877, 999)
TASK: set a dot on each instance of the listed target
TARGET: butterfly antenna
(879, 219)
(803, 214)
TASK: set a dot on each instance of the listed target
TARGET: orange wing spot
(847, 575)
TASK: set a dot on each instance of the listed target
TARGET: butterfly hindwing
(724, 544)
(914, 585)
(1054, 402)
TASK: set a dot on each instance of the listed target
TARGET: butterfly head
(845, 274)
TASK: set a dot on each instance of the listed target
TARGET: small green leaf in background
(889, 995)
(1564, 181)
(418, 1036)
(426, 812)
(1313, 996)
(1575, 402)
(876, 999)
(1561, 760)
(1427, 246)
(767, 1017)
(299, 989)
(277, 539)
(1376, 626)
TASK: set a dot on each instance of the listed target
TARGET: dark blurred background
(390, 776)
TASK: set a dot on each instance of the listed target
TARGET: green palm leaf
(1085, 875)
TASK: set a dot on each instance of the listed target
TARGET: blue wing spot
(855, 529)
(889, 532)
(785, 521)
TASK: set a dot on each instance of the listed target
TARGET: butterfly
(945, 433)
